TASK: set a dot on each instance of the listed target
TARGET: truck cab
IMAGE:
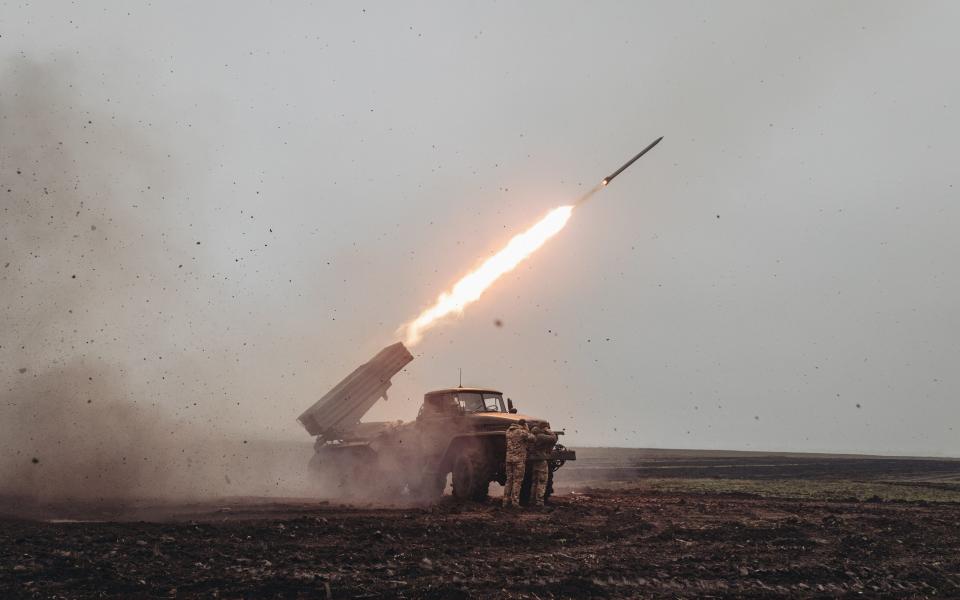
(458, 431)
(460, 401)
(464, 430)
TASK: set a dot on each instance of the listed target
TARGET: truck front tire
(471, 476)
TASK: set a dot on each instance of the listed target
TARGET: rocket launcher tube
(341, 408)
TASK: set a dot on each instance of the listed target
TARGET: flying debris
(609, 178)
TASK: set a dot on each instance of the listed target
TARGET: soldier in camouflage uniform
(518, 437)
(540, 448)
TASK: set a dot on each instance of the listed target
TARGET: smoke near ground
(77, 433)
(101, 396)
(127, 362)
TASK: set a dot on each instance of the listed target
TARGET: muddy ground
(634, 539)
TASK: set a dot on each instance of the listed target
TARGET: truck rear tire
(471, 476)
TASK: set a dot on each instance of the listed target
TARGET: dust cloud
(97, 268)
(76, 432)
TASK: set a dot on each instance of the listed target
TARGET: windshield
(475, 402)
(439, 405)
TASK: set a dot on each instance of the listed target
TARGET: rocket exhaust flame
(472, 285)
(475, 283)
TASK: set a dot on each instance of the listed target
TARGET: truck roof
(463, 389)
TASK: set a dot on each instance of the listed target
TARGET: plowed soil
(590, 543)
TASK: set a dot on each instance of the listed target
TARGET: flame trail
(473, 284)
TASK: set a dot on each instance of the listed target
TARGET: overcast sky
(223, 208)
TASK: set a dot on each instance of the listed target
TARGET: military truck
(459, 432)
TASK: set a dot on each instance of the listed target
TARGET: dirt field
(839, 532)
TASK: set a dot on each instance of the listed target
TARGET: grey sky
(785, 255)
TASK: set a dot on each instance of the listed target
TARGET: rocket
(610, 177)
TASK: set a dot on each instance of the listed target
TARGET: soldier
(540, 448)
(517, 439)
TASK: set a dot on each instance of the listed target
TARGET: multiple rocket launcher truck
(458, 431)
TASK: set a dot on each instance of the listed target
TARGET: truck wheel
(471, 476)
